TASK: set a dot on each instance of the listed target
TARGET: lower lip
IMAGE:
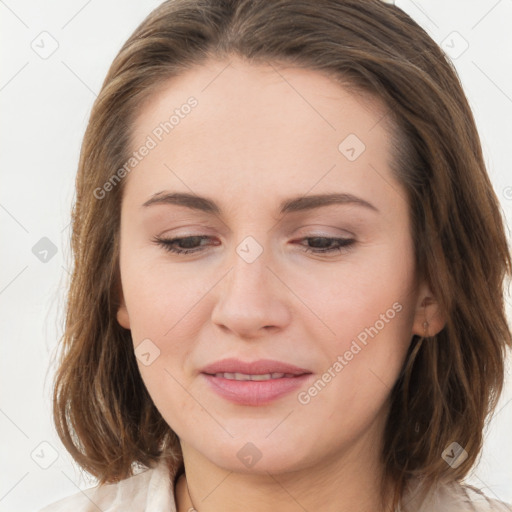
(250, 392)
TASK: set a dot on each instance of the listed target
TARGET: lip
(249, 392)
(259, 367)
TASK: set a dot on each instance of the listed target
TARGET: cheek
(361, 367)
(160, 297)
(370, 306)
(163, 323)
(370, 293)
(166, 310)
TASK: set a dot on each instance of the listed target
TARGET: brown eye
(182, 245)
(322, 244)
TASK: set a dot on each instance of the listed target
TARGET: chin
(255, 455)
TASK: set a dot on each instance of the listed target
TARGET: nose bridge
(248, 298)
(249, 266)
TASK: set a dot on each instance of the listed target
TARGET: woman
(289, 266)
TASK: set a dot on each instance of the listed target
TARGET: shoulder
(449, 497)
(149, 490)
(483, 503)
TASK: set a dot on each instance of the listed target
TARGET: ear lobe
(429, 320)
(122, 316)
(122, 312)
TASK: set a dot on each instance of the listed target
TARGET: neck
(350, 481)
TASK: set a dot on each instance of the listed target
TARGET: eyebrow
(294, 204)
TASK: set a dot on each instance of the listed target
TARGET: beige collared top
(152, 491)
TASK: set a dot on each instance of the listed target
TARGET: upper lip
(259, 367)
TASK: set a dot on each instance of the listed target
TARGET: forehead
(257, 129)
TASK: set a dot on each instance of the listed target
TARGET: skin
(261, 134)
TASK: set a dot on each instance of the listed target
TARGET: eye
(193, 244)
(322, 244)
(189, 244)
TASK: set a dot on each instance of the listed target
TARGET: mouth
(254, 383)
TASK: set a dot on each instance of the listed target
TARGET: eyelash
(344, 244)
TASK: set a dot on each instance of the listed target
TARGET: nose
(251, 299)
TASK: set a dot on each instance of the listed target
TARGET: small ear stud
(425, 323)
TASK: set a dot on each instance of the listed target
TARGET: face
(294, 247)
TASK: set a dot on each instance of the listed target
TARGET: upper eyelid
(314, 229)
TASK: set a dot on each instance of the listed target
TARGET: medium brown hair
(450, 382)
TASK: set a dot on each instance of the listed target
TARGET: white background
(45, 106)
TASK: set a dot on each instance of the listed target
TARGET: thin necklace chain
(194, 509)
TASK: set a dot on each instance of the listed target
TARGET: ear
(429, 320)
(122, 312)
